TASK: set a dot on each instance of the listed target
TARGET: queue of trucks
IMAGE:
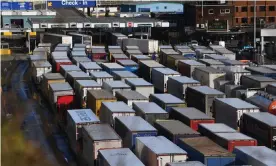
(126, 109)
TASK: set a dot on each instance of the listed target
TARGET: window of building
(252, 9)
(271, 8)
(222, 11)
(244, 9)
(227, 10)
(244, 20)
(271, 19)
(211, 11)
(237, 20)
(237, 9)
(262, 8)
(165, 7)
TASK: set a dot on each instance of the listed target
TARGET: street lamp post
(254, 23)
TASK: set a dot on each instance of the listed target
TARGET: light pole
(254, 23)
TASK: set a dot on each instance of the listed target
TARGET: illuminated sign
(71, 3)
(218, 25)
(6, 5)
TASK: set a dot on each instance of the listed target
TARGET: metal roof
(88, 83)
(98, 50)
(136, 123)
(272, 67)
(142, 57)
(53, 76)
(112, 66)
(101, 94)
(120, 157)
(262, 70)
(216, 57)
(186, 163)
(114, 47)
(260, 78)
(38, 57)
(236, 103)
(42, 64)
(192, 62)
(115, 51)
(59, 53)
(117, 56)
(70, 68)
(61, 49)
(131, 95)
(165, 47)
(78, 53)
(175, 127)
(125, 74)
(100, 74)
(233, 136)
(161, 145)
(62, 60)
(232, 62)
(79, 45)
(44, 44)
(78, 49)
(81, 59)
(168, 98)
(151, 63)
(98, 132)
(116, 84)
(181, 47)
(169, 51)
(83, 116)
(132, 47)
(64, 86)
(217, 128)
(127, 62)
(118, 106)
(211, 62)
(261, 153)
(166, 71)
(264, 117)
(206, 90)
(137, 82)
(149, 108)
(90, 65)
(191, 113)
(184, 79)
(134, 51)
(235, 69)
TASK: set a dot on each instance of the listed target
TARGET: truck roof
(166, 70)
(175, 127)
(135, 123)
(217, 127)
(233, 136)
(90, 65)
(118, 106)
(184, 79)
(99, 132)
(264, 117)
(137, 82)
(64, 86)
(131, 95)
(191, 113)
(88, 83)
(83, 116)
(149, 108)
(206, 90)
(100, 74)
(168, 98)
(237, 103)
(117, 84)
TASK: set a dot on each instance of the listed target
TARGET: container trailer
(164, 47)
(202, 52)
(55, 39)
(226, 53)
(186, 52)
(160, 76)
(115, 51)
(49, 78)
(141, 86)
(114, 47)
(113, 86)
(236, 63)
(61, 96)
(131, 47)
(209, 130)
(117, 39)
(47, 46)
(98, 53)
(201, 97)
(95, 99)
(97, 137)
(130, 96)
(58, 62)
(256, 81)
(231, 140)
(187, 163)
(216, 57)
(110, 110)
(129, 65)
(81, 88)
(41, 51)
(64, 69)
(146, 67)
(164, 53)
(271, 89)
(78, 54)
(177, 85)
(37, 58)
(261, 126)
(234, 73)
(79, 45)
(230, 110)
(116, 57)
(39, 68)
(101, 76)
(118, 157)
(191, 117)
(212, 63)
(111, 67)
(255, 155)
(76, 120)
(206, 151)
(138, 58)
(264, 101)
(131, 52)
(194, 47)
(130, 127)
(187, 67)
(66, 45)
(123, 75)
(157, 151)
(73, 76)
(172, 61)
(59, 55)
(208, 75)
(262, 71)
(62, 49)
(79, 49)
(167, 101)
(88, 67)
(174, 129)
(150, 111)
(78, 60)
(220, 84)
(78, 38)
